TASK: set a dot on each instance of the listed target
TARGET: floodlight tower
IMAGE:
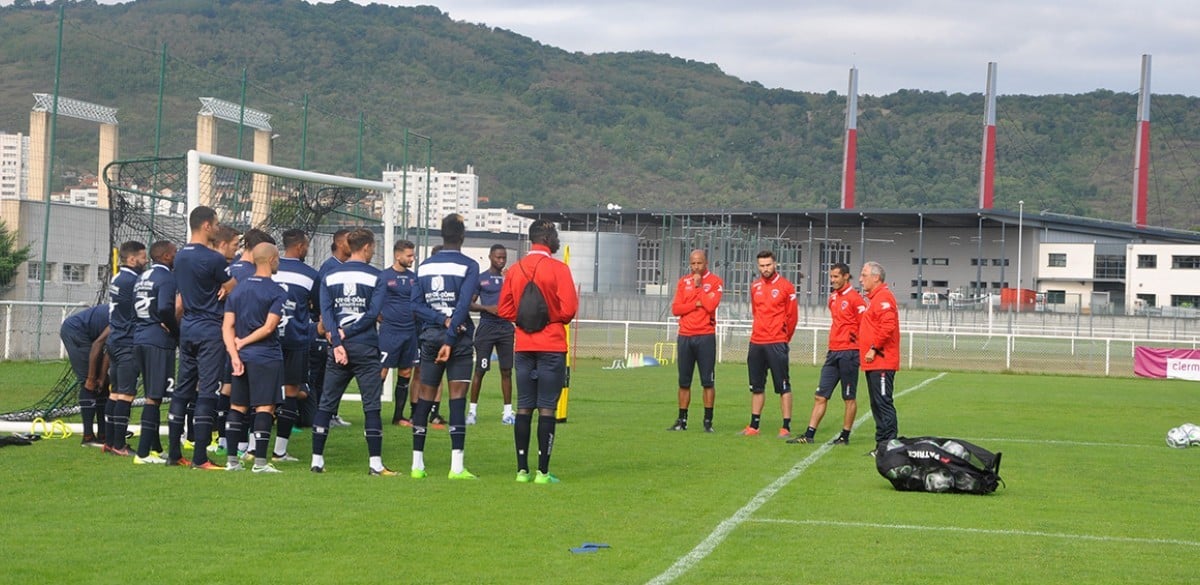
(987, 167)
(1141, 153)
(850, 150)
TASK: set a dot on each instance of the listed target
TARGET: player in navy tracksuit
(123, 365)
(319, 352)
(397, 324)
(250, 330)
(301, 282)
(202, 281)
(493, 333)
(446, 283)
(349, 316)
(84, 335)
(156, 336)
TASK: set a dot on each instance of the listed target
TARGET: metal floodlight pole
(1020, 236)
(162, 85)
(596, 255)
(304, 136)
(242, 114)
(50, 174)
(358, 167)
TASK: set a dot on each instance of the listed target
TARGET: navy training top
(301, 282)
(154, 302)
(346, 295)
(251, 301)
(199, 273)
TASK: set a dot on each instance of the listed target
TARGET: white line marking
(1067, 443)
(684, 563)
(1000, 532)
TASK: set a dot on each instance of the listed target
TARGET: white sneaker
(470, 419)
(338, 421)
(284, 457)
(508, 418)
(268, 468)
(150, 459)
(234, 466)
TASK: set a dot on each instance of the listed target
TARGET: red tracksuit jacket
(553, 277)
(697, 319)
(880, 329)
(773, 305)
(846, 307)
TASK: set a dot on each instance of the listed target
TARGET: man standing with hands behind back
(696, 299)
(879, 348)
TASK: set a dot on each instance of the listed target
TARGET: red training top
(880, 329)
(695, 306)
(553, 278)
(773, 305)
(846, 307)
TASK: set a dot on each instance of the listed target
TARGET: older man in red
(879, 349)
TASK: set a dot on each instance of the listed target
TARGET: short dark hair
(341, 233)
(255, 236)
(130, 248)
(540, 231)
(435, 249)
(454, 229)
(496, 247)
(842, 267)
(402, 245)
(294, 237)
(200, 216)
(766, 254)
(227, 233)
(360, 238)
(160, 248)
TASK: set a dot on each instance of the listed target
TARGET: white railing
(31, 328)
(955, 349)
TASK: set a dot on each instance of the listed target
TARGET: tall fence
(31, 329)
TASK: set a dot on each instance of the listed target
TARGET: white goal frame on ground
(196, 158)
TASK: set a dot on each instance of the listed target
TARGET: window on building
(999, 261)
(1056, 297)
(35, 270)
(1187, 301)
(102, 273)
(941, 261)
(74, 272)
(912, 296)
(922, 283)
(999, 284)
(923, 261)
(1057, 261)
(941, 284)
(1111, 266)
(975, 261)
(1147, 261)
(1185, 262)
(1150, 300)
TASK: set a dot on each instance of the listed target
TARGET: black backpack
(937, 464)
(533, 314)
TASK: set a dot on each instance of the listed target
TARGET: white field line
(993, 531)
(1065, 443)
(684, 563)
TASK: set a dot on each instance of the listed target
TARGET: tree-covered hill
(553, 128)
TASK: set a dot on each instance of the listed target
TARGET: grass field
(1093, 496)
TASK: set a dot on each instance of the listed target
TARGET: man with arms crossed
(879, 349)
(773, 305)
(696, 299)
(397, 324)
(541, 354)
(493, 333)
(846, 307)
(156, 336)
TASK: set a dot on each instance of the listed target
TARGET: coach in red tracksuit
(879, 349)
(773, 305)
(696, 299)
(540, 356)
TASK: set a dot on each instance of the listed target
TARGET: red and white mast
(850, 152)
(1141, 153)
(987, 168)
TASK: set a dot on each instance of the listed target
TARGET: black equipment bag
(533, 314)
(938, 464)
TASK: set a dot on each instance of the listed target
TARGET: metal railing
(31, 329)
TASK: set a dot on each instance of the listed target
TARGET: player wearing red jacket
(541, 355)
(846, 307)
(773, 305)
(696, 299)
(879, 349)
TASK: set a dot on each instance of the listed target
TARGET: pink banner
(1155, 362)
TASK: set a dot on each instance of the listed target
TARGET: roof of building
(871, 218)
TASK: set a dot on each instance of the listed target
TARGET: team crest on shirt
(707, 287)
(774, 293)
(350, 289)
(845, 304)
(437, 283)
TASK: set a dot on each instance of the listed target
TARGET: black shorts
(295, 366)
(123, 369)
(261, 384)
(79, 349)
(158, 370)
(696, 351)
(770, 356)
(541, 376)
(840, 366)
(363, 367)
(200, 367)
(457, 369)
(398, 349)
(227, 373)
(497, 336)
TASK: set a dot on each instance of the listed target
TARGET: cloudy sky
(1041, 46)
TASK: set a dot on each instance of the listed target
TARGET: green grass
(1084, 460)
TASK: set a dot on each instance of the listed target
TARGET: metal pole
(428, 179)
(596, 255)
(358, 168)
(920, 257)
(304, 136)
(404, 184)
(979, 259)
(242, 114)
(162, 84)
(49, 178)
(1020, 236)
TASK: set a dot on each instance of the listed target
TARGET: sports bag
(938, 464)
(533, 314)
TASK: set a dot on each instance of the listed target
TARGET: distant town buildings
(14, 166)
(427, 196)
